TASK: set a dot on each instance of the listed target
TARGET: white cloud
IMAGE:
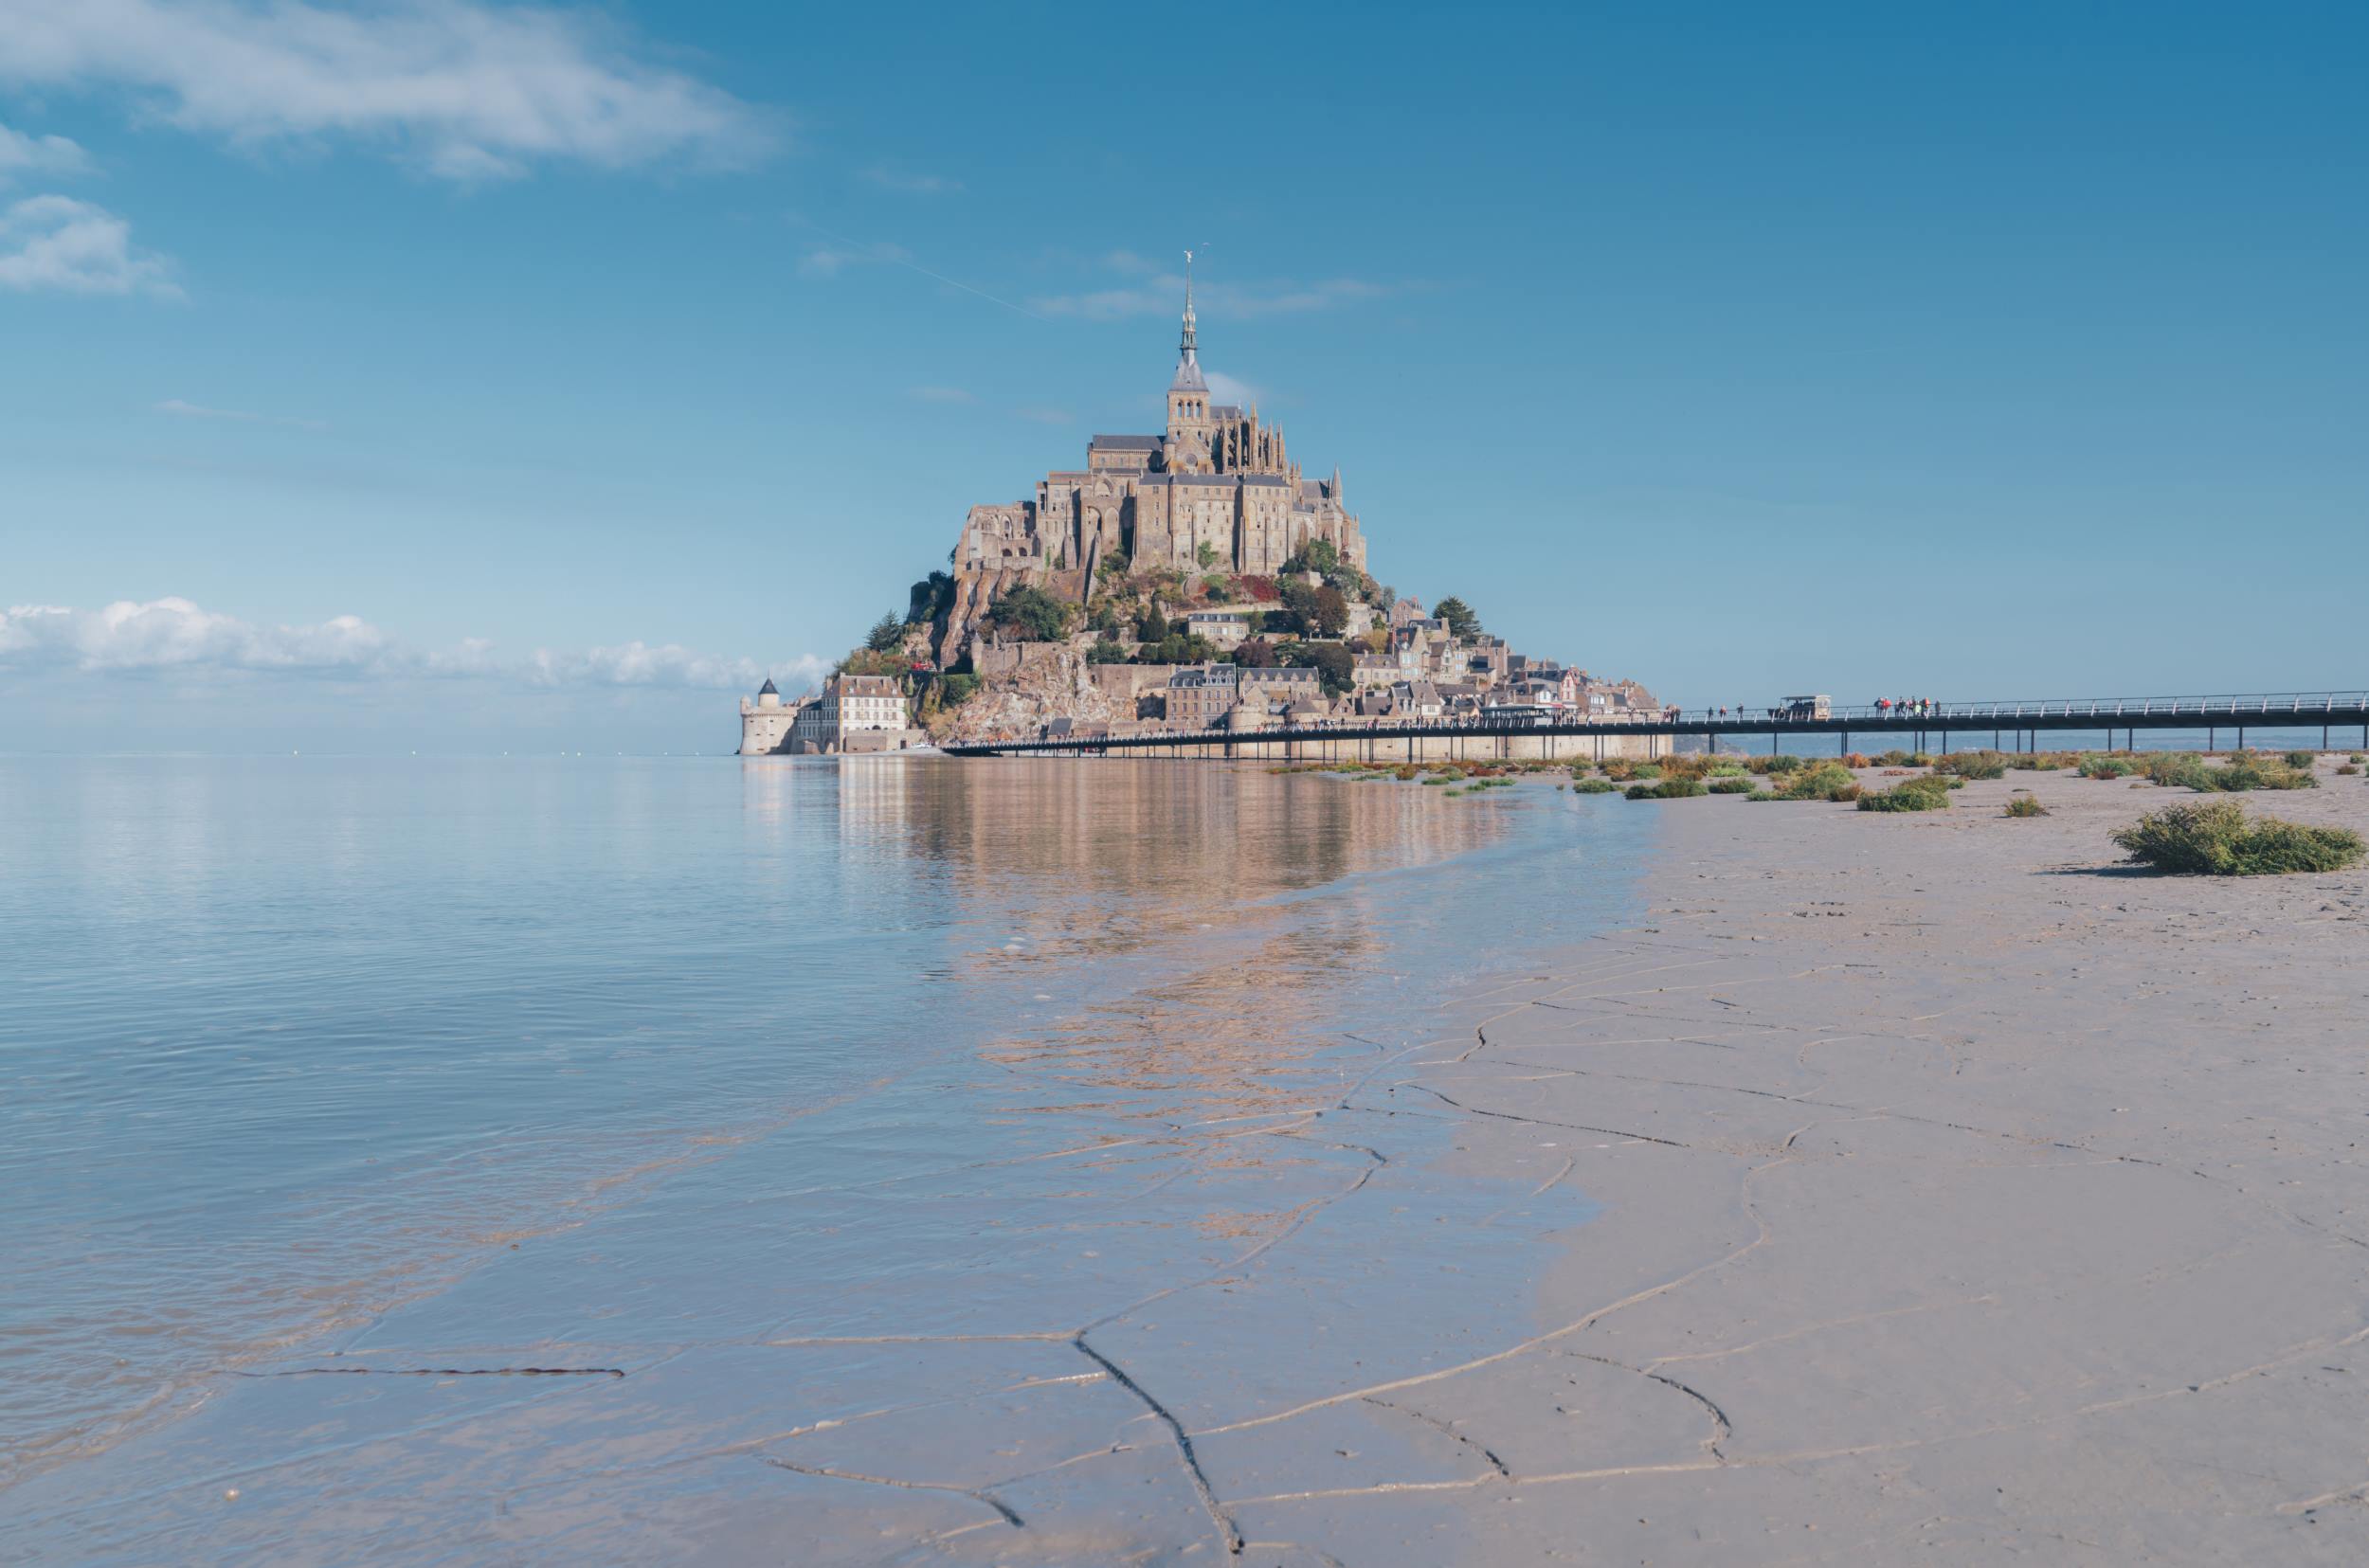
(24, 155)
(912, 185)
(466, 90)
(58, 243)
(174, 635)
(180, 410)
(1226, 390)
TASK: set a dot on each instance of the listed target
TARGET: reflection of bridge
(1931, 725)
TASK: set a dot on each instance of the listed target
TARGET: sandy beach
(1967, 1198)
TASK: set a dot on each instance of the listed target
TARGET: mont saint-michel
(1193, 578)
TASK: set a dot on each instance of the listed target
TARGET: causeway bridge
(1920, 727)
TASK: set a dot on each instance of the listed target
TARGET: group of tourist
(1906, 707)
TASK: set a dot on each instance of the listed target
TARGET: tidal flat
(1078, 1163)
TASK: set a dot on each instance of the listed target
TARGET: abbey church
(1217, 492)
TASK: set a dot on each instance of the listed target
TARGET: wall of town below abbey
(1421, 749)
(767, 734)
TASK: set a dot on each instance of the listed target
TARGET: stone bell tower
(1190, 426)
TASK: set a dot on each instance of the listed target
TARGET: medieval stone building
(1216, 491)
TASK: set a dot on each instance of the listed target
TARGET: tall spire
(1187, 344)
(1189, 376)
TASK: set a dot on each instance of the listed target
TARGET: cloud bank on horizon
(176, 635)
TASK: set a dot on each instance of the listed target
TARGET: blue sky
(480, 374)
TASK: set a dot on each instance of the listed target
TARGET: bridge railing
(2216, 706)
(2301, 706)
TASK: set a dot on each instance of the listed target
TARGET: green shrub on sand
(2246, 770)
(1826, 782)
(1974, 764)
(1726, 785)
(2213, 839)
(2024, 806)
(1763, 795)
(2243, 771)
(2098, 765)
(1668, 789)
(1595, 786)
(1929, 793)
(2301, 759)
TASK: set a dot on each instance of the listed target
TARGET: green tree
(1153, 626)
(1206, 555)
(1330, 660)
(1176, 648)
(1298, 614)
(886, 633)
(1254, 653)
(1332, 611)
(1217, 589)
(1031, 615)
(1317, 556)
(1107, 650)
(1458, 615)
(871, 661)
(1115, 564)
(931, 598)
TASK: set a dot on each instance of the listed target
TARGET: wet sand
(1897, 1188)
(1966, 1197)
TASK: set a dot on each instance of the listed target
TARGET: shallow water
(649, 1071)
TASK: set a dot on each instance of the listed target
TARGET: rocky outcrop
(1032, 685)
(977, 588)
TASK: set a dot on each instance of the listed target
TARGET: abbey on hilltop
(1192, 579)
(1216, 491)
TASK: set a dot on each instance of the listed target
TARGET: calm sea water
(319, 1058)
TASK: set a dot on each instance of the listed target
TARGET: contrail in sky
(877, 252)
